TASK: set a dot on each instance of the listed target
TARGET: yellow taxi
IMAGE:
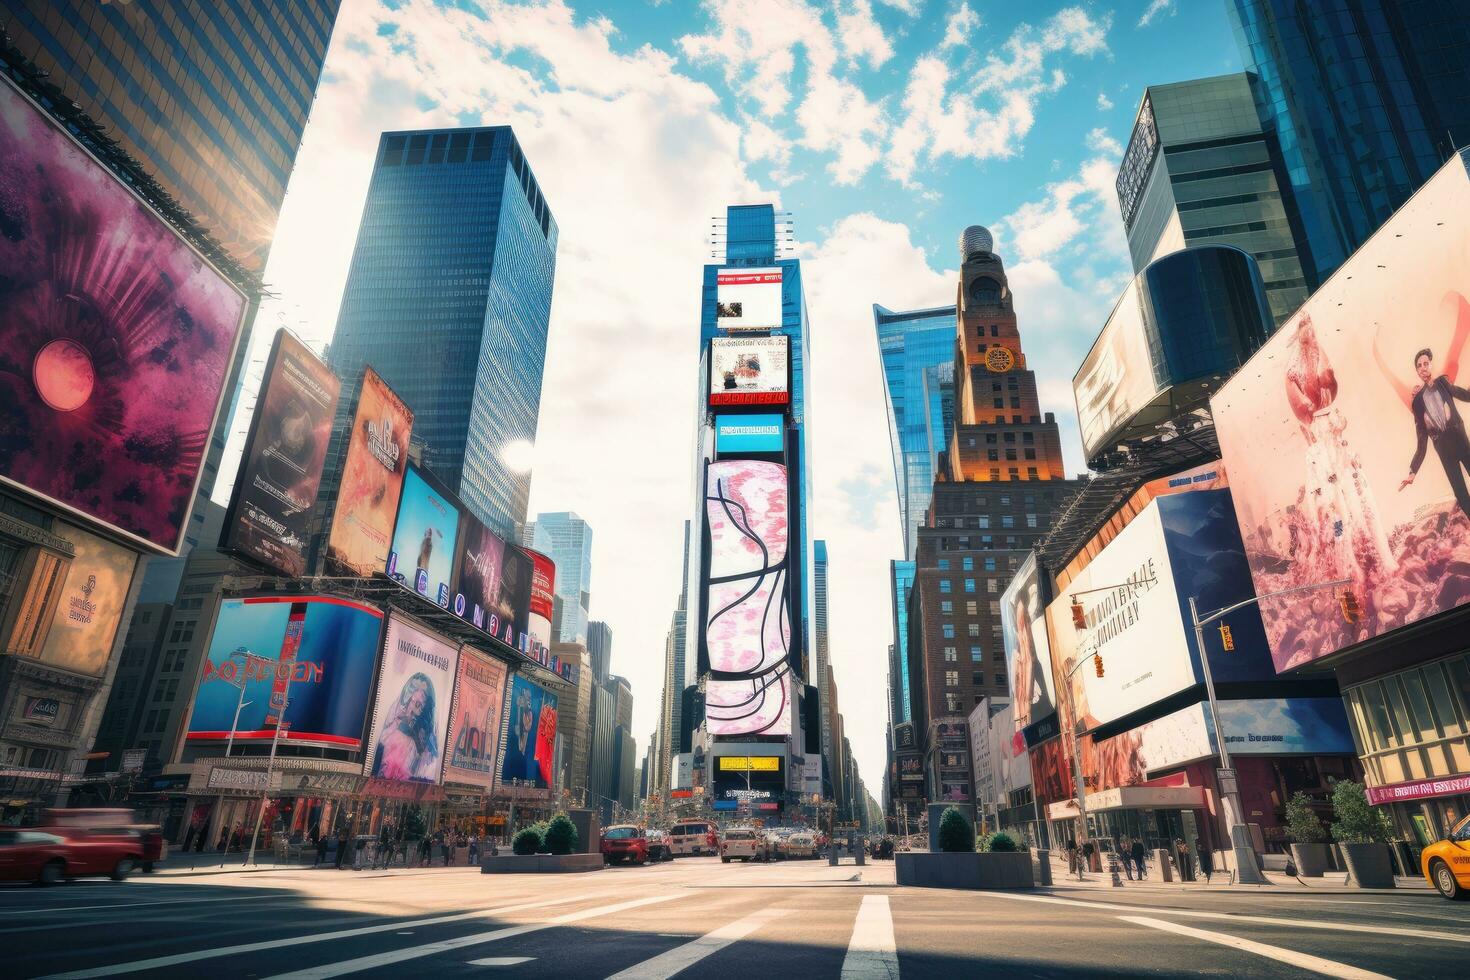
(1446, 863)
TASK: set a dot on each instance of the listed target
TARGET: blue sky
(883, 126)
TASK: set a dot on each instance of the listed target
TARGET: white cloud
(957, 29)
(754, 42)
(837, 117)
(1103, 102)
(1154, 9)
(860, 35)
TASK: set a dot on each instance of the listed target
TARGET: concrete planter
(1368, 865)
(991, 872)
(1311, 860)
(539, 863)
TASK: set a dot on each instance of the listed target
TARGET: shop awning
(1132, 798)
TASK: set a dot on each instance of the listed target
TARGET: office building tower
(917, 350)
(1366, 99)
(448, 298)
(900, 579)
(1200, 169)
(567, 540)
(821, 664)
(670, 715)
(599, 648)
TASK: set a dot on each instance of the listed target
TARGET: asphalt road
(698, 918)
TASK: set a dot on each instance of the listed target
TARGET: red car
(50, 855)
(624, 842)
(116, 821)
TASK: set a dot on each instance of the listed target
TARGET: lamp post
(279, 703)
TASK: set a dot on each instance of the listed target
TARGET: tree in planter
(414, 826)
(1357, 822)
(561, 835)
(1303, 826)
(999, 842)
(527, 841)
(955, 832)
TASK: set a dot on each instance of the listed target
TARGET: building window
(989, 565)
(948, 631)
(994, 608)
(992, 585)
(969, 564)
(974, 629)
(944, 564)
(951, 678)
(1007, 520)
(969, 585)
(1031, 522)
(944, 586)
(946, 607)
(976, 655)
(978, 679)
(971, 608)
(950, 656)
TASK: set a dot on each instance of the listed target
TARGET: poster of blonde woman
(412, 709)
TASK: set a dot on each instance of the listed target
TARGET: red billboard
(543, 597)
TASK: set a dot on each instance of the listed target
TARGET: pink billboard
(115, 339)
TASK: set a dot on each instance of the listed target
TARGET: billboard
(747, 632)
(115, 339)
(91, 603)
(1346, 440)
(748, 299)
(530, 737)
(327, 646)
(281, 469)
(1117, 376)
(1027, 651)
(492, 588)
(421, 556)
(1011, 762)
(543, 599)
(740, 434)
(411, 717)
(751, 780)
(474, 719)
(750, 371)
(372, 480)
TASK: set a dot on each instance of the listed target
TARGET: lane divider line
(1278, 954)
(872, 953)
(681, 958)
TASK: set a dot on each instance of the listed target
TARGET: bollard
(1161, 858)
(1043, 867)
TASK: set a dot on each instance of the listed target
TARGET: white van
(693, 837)
(744, 843)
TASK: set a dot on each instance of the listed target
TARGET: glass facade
(448, 298)
(819, 629)
(1366, 99)
(901, 578)
(567, 540)
(917, 350)
(1200, 170)
(1204, 312)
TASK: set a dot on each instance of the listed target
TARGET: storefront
(301, 798)
(1156, 815)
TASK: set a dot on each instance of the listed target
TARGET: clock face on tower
(999, 360)
(983, 289)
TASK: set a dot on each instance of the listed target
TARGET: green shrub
(414, 825)
(1357, 822)
(526, 841)
(561, 835)
(955, 832)
(1303, 826)
(1000, 842)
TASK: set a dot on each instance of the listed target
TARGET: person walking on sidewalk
(1139, 853)
(1125, 851)
(321, 848)
(1071, 857)
(1088, 849)
(1181, 850)
(1206, 860)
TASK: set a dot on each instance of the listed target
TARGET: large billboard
(281, 469)
(411, 716)
(91, 603)
(750, 371)
(738, 435)
(748, 299)
(421, 557)
(474, 719)
(530, 737)
(1117, 376)
(543, 600)
(327, 648)
(747, 630)
(1027, 651)
(115, 339)
(372, 480)
(492, 589)
(1346, 440)
(1011, 762)
(755, 781)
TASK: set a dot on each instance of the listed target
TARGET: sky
(884, 127)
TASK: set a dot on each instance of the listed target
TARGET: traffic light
(1351, 611)
(1079, 618)
(1097, 662)
(1226, 640)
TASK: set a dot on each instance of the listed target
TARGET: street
(696, 917)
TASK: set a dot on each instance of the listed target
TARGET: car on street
(659, 848)
(693, 837)
(624, 842)
(801, 846)
(1446, 863)
(50, 855)
(110, 820)
(745, 844)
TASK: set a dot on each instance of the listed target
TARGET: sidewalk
(180, 865)
(1333, 883)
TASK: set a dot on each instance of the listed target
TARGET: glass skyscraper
(917, 349)
(448, 298)
(1367, 98)
(901, 579)
(567, 540)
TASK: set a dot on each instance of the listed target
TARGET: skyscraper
(1366, 98)
(671, 710)
(599, 648)
(821, 665)
(917, 348)
(1201, 170)
(567, 540)
(448, 298)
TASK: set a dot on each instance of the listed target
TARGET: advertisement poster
(747, 635)
(115, 339)
(411, 716)
(474, 719)
(1287, 726)
(421, 556)
(750, 780)
(750, 370)
(739, 434)
(282, 465)
(748, 299)
(1116, 378)
(1346, 441)
(530, 739)
(328, 654)
(543, 599)
(1008, 753)
(91, 606)
(493, 590)
(372, 480)
(1027, 652)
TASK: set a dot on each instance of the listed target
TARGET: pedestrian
(224, 839)
(1206, 860)
(321, 847)
(342, 842)
(1125, 850)
(1071, 857)
(1186, 870)
(189, 835)
(426, 853)
(1139, 853)
(359, 845)
(1088, 849)
(474, 850)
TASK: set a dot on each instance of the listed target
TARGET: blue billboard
(736, 434)
(530, 736)
(421, 556)
(315, 654)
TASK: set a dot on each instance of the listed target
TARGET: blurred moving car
(50, 855)
(1446, 863)
(659, 848)
(624, 842)
(801, 845)
(30, 855)
(693, 837)
(745, 843)
(109, 820)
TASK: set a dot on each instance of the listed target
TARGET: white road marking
(502, 961)
(683, 957)
(459, 942)
(1270, 920)
(158, 962)
(1278, 954)
(872, 953)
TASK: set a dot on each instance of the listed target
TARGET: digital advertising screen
(326, 647)
(1346, 441)
(543, 599)
(1027, 650)
(530, 739)
(750, 371)
(747, 634)
(372, 481)
(475, 719)
(425, 536)
(748, 299)
(751, 780)
(281, 469)
(493, 586)
(740, 434)
(91, 605)
(1008, 752)
(1116, 378)
(115, 339)
(411, 716)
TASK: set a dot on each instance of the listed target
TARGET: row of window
(977, 654)
(952, 679)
